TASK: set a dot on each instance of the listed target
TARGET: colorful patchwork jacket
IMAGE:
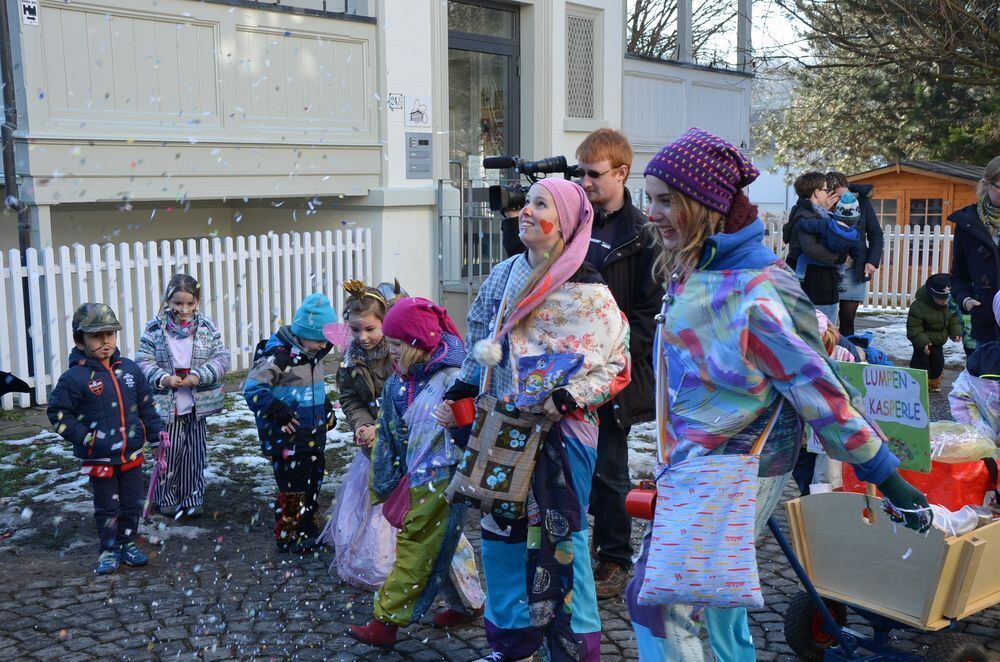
(285, 383)
(209, 360)
(737, 334)
(409, 438)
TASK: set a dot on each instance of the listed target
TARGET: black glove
(279, 413)
(906, 503)
(564, 402)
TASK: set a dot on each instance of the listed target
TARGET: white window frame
(587, 124)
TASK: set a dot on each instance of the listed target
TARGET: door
(483, 103)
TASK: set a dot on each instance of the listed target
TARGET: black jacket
(871, 240)
(801, 209)
(628, 271)
(92, 404)
(975, 270)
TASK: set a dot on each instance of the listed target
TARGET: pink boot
(376, 633)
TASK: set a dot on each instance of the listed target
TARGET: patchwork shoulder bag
(494, 474)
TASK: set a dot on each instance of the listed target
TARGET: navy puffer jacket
(92, 404)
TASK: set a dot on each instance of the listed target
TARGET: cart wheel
(805, 631)
(956, 648)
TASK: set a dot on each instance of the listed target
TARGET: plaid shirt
(509, 276)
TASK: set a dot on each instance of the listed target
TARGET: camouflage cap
(94, 318)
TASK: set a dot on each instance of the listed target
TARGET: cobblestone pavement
(215, 589)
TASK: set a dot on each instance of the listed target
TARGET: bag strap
(759, 444)
(488, 374)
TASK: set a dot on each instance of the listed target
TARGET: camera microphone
(499, 162)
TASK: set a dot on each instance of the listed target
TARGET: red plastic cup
(464, 411)
(641, 503)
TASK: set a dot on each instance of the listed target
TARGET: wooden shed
(920, 192)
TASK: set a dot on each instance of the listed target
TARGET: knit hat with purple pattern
(705, 167)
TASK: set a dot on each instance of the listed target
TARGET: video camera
(504, 197)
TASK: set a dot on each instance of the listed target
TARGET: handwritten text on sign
(893, 396)
(895, 399)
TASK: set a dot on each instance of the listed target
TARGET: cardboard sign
(896, 399)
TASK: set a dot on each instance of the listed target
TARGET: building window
(887, 211)
(926, 211)
(581, 65)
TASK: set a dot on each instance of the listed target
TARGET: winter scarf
(989, 213)
(576, 218)
(180, 330)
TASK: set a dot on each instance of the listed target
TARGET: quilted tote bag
(494, 474)
(702, 545)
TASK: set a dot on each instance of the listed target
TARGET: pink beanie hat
(418, 322)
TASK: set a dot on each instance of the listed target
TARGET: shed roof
(943, 169)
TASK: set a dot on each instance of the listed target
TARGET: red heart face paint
(547, 226)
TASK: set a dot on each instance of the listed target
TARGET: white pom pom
(487, 352)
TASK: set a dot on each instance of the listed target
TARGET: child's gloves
(280, 413)
(906, 503)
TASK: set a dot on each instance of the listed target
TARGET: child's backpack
(258, 350)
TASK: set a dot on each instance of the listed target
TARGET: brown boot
(610, 580)
(934, 385)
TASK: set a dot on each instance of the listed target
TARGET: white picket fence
(909, 256)
(250, 286)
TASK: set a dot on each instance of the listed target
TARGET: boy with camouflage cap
(103, 406)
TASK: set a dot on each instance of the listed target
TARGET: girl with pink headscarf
(561, 348)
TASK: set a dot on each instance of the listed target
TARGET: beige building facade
(179, 119)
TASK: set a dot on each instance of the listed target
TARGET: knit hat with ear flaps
(704, 167)
(847, 208)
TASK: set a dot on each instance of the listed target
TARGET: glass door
(483, 104)
(482, 82)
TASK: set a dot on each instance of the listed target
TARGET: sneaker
(450, 617)
(132, 555)
(610, 580)
(305, 545)
(194, 511)
(107, 563)
(167, 511)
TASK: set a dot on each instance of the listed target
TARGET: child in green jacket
(929, 324)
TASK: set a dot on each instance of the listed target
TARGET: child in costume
(364, 542)
(182, 357)
(413, 460)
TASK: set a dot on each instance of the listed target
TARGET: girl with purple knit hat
(560, 348)
(738, 359)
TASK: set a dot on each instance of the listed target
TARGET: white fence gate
(250, 286)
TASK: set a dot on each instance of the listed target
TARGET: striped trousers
(184, 483)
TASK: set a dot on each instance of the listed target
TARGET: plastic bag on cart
(364, 542)
(954, 522)
(954, 442)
